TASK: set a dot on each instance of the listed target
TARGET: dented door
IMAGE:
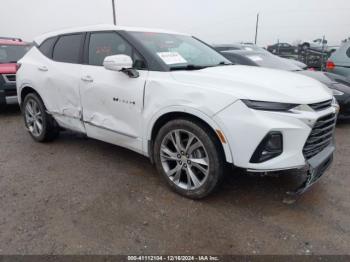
(62, 82)
(112, 105)
(112, 101)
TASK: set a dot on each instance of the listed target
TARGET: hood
(8, 69)
(256, 83)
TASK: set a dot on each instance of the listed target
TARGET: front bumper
(317, 166)
(245, 128)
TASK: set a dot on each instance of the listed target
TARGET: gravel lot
(81, 196)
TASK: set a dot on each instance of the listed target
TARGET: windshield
(271, 61)
(180, 51)
(12, 53)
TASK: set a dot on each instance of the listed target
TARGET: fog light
(270, 147)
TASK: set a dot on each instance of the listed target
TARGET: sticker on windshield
(171, 58)
(255, 58)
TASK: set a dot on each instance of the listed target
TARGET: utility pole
(323, 50)
(257, 28)
(114, 15)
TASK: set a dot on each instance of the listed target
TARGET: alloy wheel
(184, 159)
(34, 118)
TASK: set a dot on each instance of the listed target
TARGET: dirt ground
(81, 196)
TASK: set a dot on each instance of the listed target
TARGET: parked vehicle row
(318, 45)
(177, 101)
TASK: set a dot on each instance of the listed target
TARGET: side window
(67, 49)
(106, 44)
(348, 52)
(46, 47)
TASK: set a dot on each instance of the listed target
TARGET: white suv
(174, 99)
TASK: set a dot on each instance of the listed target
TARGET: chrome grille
(321, 136)
(321, 106)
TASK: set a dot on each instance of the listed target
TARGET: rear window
(46, 47)
(67, 49)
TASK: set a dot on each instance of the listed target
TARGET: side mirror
(117, 62)
(121, 63)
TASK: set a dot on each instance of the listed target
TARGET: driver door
(112, 101)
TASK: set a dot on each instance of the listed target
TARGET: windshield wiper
(188, 67)
(198, 67)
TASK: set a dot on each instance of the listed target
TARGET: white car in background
(177, 101)
(318, 44)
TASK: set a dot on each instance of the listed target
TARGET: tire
(305, 47)
(193, 167)
(41, 126)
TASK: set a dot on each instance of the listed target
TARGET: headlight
(269, 106)
(335, 104)
(337, 92)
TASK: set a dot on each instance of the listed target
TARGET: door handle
(43, 68)
(87, 79)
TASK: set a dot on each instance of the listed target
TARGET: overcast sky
(215, 21)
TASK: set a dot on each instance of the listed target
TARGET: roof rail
(11, 38)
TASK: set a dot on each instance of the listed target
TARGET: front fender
(191, 111)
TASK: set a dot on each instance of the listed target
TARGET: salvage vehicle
(174, 99)
(339, 62)
(318, 44)
(11, 50)
(338, 84)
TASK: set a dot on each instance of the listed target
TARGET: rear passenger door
(63, 81)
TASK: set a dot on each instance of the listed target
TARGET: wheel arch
(175, 113)
(25, 90)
